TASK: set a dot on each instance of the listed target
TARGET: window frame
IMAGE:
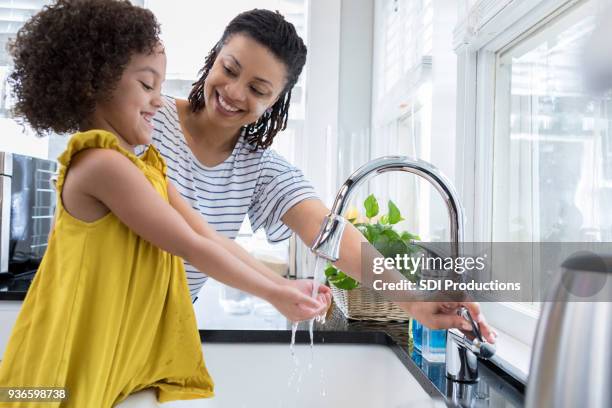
(490, 27)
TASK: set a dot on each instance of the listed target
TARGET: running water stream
(319, 277)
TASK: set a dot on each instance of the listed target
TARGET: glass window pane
(552, 153)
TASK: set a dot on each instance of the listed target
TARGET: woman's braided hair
(271, 30)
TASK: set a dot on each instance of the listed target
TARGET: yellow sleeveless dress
(107, 314)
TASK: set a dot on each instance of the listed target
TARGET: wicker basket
(366, 304)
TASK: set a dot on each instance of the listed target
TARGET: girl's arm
(112, 180)
(199, 225)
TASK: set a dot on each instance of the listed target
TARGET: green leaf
(343, 281)
(330, 271)
(381, 242)
(384, 220)
(339, 279)
(397, 248)
(373, 231)
(407, 237)
(371, 206)
(394, 213)
(392, 235)
(392, 247)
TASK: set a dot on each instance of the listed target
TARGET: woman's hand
(443, 315)
(306, 285)
(294, 304)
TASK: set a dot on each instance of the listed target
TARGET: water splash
(319, 277)
(322, 383)
(296, 367)
(295, 379)
(294, 327)
(311, 332)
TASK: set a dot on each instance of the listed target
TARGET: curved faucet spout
(327, 242)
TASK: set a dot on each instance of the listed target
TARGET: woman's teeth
(226, 105)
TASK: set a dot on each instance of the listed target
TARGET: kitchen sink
(328, 375)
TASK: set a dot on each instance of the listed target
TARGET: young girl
(109, 312)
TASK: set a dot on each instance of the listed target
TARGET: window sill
(512, 355)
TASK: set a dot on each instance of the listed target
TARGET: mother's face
(244, 81)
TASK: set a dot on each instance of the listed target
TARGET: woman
(217, 142)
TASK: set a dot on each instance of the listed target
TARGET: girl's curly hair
(271, 30)
(71, 55)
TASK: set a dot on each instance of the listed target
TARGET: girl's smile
(130, 110)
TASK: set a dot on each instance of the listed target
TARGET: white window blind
(408, 31)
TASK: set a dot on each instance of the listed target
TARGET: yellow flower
(352, 213)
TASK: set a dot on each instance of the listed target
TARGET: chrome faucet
(461, 352)
(327, 243)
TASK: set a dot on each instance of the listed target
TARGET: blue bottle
(417, 334)
(434, 345)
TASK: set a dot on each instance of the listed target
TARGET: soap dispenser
(434, 345)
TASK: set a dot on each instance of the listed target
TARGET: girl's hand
(443, 315)
(305, 286)
(294, 304)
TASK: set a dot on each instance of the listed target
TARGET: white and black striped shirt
(259, 183)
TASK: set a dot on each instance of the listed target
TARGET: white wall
(316, 152)
(16, 139)
(355, 79)
(443, 101)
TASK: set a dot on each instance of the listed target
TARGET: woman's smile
(245, 80)
(226, 107)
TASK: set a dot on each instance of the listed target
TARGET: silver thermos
(571, 364)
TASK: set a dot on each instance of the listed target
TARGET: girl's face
(244, 81)
(135, 100)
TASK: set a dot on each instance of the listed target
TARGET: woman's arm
(112, 179)
(306, 217)
(199, 225)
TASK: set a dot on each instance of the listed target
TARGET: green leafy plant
(382, 234)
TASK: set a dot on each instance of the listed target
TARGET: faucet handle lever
(478, 345)
(465, 313)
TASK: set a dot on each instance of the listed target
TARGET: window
(410, 135)
(15, 137)
(550, 159)
(535, 144)
(405, 105)
(407, 35)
